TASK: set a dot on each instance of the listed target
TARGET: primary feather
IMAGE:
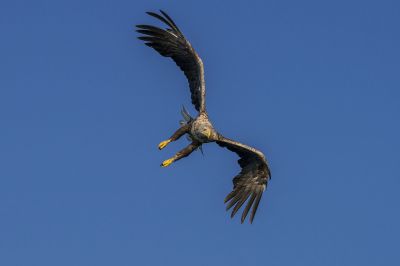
(170, 42)
(250, 182)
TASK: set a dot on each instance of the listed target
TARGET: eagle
(255, 173)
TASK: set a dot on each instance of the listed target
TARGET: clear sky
(314, 84)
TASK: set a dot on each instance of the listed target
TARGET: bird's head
(208, 132)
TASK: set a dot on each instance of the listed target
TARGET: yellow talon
(167, 162)
(163, 144)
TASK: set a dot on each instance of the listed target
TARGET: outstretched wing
(170, 42)
(252, 180)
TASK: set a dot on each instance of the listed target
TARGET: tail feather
(186, 116)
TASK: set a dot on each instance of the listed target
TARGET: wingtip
(141, 26)
(163, 12)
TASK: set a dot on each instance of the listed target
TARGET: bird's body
(202, 130)
(252, 180)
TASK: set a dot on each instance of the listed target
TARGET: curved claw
(163, 144)
(167, 162)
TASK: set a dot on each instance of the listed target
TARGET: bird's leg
(179, 133)
(182, 153)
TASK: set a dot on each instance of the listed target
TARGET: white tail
(186, 116)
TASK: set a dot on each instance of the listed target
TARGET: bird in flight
(252, 180)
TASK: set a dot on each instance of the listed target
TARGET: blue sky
(83, 105)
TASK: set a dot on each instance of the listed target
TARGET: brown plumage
(172, 43)
(252, 180)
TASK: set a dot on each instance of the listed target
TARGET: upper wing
(250, 182)
(171, 43)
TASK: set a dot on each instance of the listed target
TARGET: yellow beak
(208, 133)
